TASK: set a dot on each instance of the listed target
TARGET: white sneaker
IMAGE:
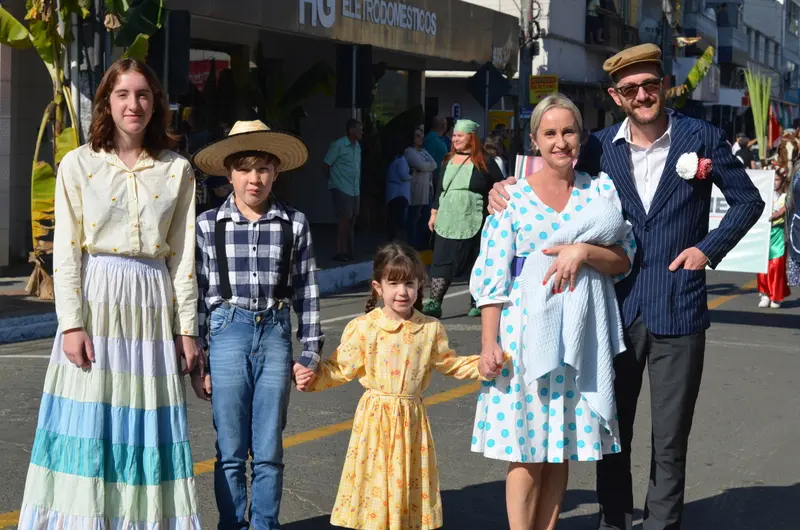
(775, 305)
(764, 301)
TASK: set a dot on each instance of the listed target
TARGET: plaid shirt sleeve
(203, 272)
(306, 297)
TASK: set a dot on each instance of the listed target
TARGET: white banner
(752, 252)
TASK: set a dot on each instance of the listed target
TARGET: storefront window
(793, 18)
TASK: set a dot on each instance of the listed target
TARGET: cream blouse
(103, 207)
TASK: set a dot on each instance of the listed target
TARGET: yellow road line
(329, 430)
(206, 466)
(718, 301)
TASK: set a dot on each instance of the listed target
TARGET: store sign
(380, 12)
(542, 86)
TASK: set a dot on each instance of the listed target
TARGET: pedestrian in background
(342, 168)
(390, 479)
(422, 167)
(398, 193)
(458, 212)
(112, 443)
(773, 286)
(495, 150)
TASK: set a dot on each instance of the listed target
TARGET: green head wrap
(466, 126)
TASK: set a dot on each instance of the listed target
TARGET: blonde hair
(554, 101)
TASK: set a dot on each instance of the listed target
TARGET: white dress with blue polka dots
(552, 422)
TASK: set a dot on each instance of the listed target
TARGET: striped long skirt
(111, 449)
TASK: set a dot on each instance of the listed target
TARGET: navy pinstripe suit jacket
(674, 303)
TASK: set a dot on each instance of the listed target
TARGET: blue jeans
(251, 374)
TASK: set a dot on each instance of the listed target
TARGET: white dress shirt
(647, 162)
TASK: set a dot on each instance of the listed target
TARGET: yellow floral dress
(390, 480)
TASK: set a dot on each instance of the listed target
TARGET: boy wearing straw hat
(254, 257)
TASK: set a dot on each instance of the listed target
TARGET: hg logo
(324, 10)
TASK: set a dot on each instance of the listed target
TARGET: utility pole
(528, 49)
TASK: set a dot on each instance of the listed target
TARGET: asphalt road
(744, 461)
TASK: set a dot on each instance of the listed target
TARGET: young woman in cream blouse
(111, 449)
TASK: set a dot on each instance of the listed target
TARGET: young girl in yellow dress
(389, 480)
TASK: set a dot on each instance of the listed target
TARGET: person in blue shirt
(434, 141)
(343, 169)
(398, 192)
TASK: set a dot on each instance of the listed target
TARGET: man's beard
(631, 114)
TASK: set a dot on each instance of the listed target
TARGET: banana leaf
(118, 7)
(43, 42)
(681, 92)
(138, 50)
(12, 32)
(283, 106)
(66, 142)
(145, 18)
(43, 205)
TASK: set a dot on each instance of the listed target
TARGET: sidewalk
(25, 318)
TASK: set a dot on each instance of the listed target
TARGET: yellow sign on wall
(501, 117)
(542, 86)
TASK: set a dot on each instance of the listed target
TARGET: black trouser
(675, 366)
(395, 216)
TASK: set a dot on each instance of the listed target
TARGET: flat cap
(643, 53)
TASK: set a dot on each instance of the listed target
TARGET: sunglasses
(651, 86)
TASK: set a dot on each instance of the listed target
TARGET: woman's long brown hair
(476, 153)
(156, 135)
(397, 262)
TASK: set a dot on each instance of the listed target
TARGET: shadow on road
(728, 289)
(482, 507)
(772, 319)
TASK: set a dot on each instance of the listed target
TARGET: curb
(44, 325)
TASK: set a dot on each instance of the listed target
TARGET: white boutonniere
(687, 166)
(690, 166)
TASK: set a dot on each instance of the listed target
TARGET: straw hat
(252, 136)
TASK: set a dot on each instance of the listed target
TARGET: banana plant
(680, 93)
(283, 105)
(48, 31)
(133, 25)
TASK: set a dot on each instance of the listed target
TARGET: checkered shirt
(254, 250)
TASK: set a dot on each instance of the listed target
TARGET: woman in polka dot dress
(539, 429)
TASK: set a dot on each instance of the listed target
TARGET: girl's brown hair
(156, 135)
(397, 262)
(476, 153)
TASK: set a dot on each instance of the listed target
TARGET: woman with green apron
(459, 209)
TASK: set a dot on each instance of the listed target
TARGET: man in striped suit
(663, 300)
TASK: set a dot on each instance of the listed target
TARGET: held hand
(498, 195)
(303, 377)
(186, 348)
(565, 269)
(78, 348)
(691, 259)
(432, 220)
(491, 361)
(201, 379)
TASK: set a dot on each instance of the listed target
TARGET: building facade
(247, 48)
